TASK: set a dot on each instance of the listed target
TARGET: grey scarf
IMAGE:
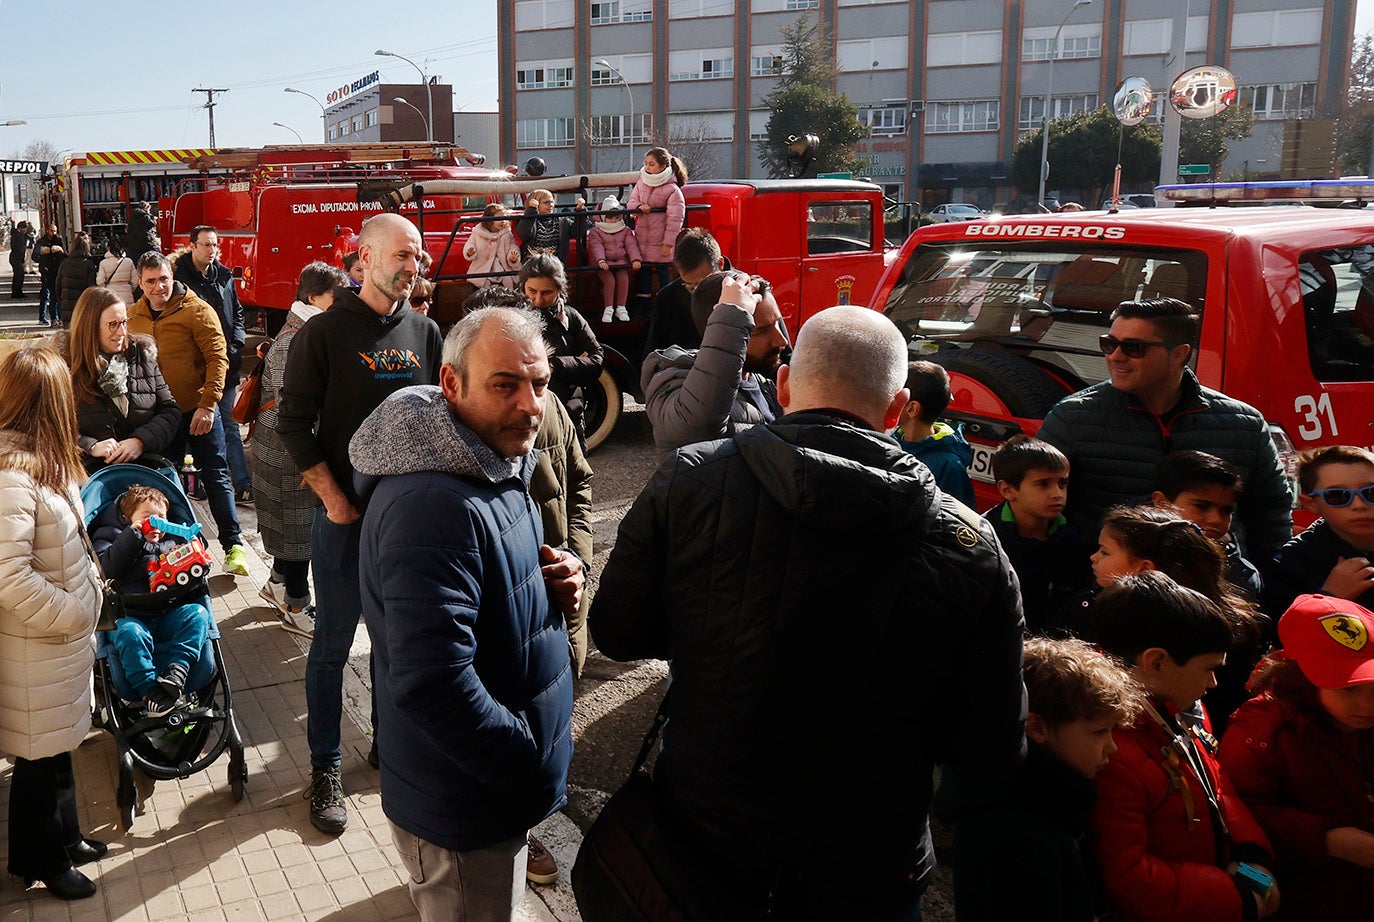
(114, 382)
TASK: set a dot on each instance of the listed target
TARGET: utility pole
(210, 104)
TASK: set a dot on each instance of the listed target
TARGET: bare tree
(688, 138)
(43, 150)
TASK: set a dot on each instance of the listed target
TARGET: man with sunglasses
(1335, 554)
(1116, 432)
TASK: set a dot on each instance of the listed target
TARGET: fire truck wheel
(602, 407)
(1022, 388)
(197, 571)
(183, 578)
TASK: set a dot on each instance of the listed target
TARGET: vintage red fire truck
(1013, 307)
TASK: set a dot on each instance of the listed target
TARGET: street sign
(1193, 169)
(834, 175)
(32, 167)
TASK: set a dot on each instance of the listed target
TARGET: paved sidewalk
(194, 853)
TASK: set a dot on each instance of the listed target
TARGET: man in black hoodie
(342, 364)
(200, 270)
(835, 626)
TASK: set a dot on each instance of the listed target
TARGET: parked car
(955, 211)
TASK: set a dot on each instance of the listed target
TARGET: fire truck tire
(183, 578)
(1023, 388)
(601, 409)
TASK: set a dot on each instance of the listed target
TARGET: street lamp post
(1049, 100)
(406, 102)
(324, 127)
(299, 139)
(429, 90)
(630, 131)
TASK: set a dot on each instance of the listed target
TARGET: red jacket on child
(1301, 777)
(1157, 861)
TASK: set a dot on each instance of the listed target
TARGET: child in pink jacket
(659, 187)
(492, 248)
(612, 245)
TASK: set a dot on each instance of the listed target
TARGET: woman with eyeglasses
(422, 295)
(124, 410)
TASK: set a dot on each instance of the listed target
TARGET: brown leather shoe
(540, 868)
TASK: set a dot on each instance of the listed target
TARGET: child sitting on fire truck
(160, 638)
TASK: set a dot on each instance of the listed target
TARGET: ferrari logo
(1346, 630)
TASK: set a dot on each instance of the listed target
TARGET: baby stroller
(190, 738)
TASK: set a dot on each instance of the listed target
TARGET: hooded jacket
(657, 229)
(190, 347)
(119, 274)
(831, 620)
(692, 395)
(1114, 445)
(216, 288)
(614, 242)
(49, 600)
(341, 365)
(1301, 778)
(153, 416)
(474, 684)
(948, 454)
(491, 251)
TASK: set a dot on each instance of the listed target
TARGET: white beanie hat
(610, 203)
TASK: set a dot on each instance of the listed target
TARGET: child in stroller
(160, 638)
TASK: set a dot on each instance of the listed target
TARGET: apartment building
(946, 87)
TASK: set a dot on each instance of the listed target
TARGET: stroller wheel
(127, 795)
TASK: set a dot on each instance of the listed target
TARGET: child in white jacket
(492, 248)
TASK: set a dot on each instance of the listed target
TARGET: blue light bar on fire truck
(1355, 187)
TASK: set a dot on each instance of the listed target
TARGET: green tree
(1355, 113)
(1206, 140)
(805, 103)
(1083, 154)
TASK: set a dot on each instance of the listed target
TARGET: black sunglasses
(1340, 497)
(1134, 348)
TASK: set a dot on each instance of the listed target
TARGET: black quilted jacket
(835, 626)
(153, 416)
(1114, 445)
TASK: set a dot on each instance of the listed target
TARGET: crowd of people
(1128, 686)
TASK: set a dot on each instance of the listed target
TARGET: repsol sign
(34, 167)
(349, 88)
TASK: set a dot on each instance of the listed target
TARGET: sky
(115, 76)
(92, 76)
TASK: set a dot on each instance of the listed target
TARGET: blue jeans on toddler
(148, 644)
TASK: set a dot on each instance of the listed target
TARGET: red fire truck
(1013, 307)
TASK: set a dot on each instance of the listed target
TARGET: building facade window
(1276, 27)
(1033, 107)
(758, 124)
(1280, 100)
(532, 15)
(701, 64)
(636, 68)
(765, 61)
(613, 11)
(1155, 36)
(544, 132)
(547, 76)
(803, 4)
(333, 133)
(866, 54)
(947, 49)
(371, 117)
(1084, 41)
(959, 116)
(701, 126)
(343, 128)
(357, 123)
(697, 9)
(608, 130)
(884, 122)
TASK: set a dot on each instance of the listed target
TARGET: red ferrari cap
(1329, 638)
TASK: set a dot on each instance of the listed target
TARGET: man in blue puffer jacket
(473, 677)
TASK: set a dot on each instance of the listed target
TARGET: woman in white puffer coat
(50, 600)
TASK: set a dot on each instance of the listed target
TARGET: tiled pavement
(195, 854)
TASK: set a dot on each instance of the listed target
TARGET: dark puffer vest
(153, 416)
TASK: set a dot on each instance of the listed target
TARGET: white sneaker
(274, 593)
(607, 314)
(300, 621)
(622, 314)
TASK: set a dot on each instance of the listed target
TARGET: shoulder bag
(632, 867)
(111, 601)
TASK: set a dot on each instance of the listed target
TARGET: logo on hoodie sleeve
(390, 364)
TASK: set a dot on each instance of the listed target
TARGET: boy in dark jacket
(159, 639)
(937, 445)
(1170, 832)
(1204, 489)
(1334, 554)
(1044, 549)
(1020, 855)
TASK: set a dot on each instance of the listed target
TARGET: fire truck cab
(1013, 308)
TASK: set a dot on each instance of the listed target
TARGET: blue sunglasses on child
(1340, 497)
